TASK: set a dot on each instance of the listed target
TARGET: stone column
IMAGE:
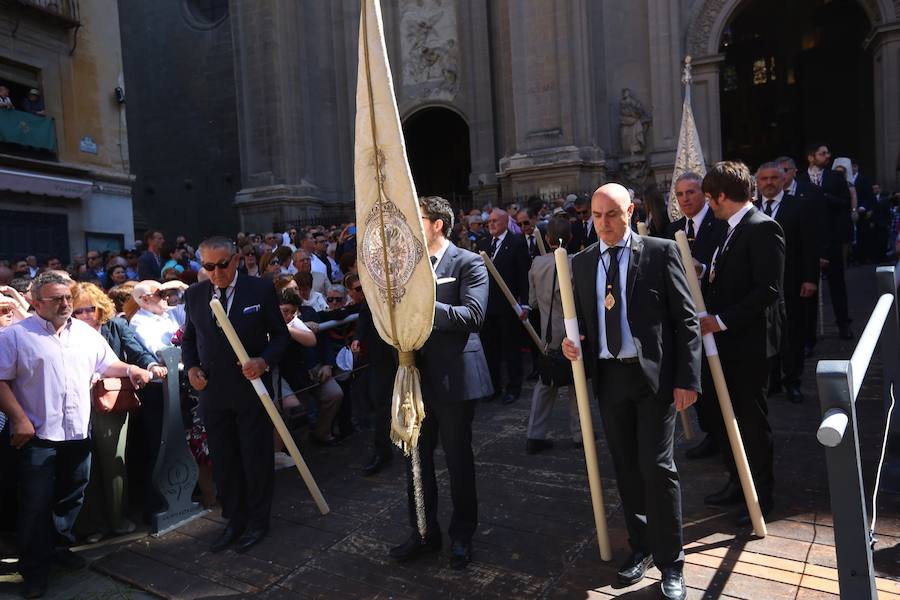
(665, 81)
(270, 68)
(705, 103)
(551, 132)
(886, 59)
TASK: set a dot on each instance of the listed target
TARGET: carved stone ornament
(633, 124)
(430, 49)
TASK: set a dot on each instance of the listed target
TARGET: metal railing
(839, 383)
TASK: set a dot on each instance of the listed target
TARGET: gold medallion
(609, 301)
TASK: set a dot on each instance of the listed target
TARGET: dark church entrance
(437, 145)
(795, 72)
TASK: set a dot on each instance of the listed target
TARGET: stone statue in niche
(633, 124)
(429, 45)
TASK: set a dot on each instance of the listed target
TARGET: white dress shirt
(500, 239)
(50, 374)
(229, 293)
(792, 189)
(628, 350)
(316, 301)
(776, 202)
(317, 266)
(445, 243)
(155, 331)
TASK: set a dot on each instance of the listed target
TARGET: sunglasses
(274, 261)
(84, 311)
(219, 265)
(331, 299)
(58, 299)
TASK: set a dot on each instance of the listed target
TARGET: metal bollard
(175, 471)
(889, 348)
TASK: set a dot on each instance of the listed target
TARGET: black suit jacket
(581, 240)
(149, 266)
(834, 198)
(707, 237)
(802, 244)
(661, 313)
(512, 263)
(256, 318)
(452, 357)
(746, 290)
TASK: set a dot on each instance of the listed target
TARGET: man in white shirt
(46, 365)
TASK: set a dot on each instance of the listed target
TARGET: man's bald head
(611, 208)
(498, 222)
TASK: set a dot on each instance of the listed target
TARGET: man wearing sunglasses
(240, 434)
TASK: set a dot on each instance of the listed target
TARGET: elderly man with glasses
(46, 365)
(240, 434)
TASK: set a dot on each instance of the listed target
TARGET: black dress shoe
(794, 394)
(378, 462)
(672, 585)
(845, 332)
(460, 554)
(34, 586)
(415, 547)
(742, 518)
(251, 537)
(69, 559)
(510, 397)
(704, 449)
(728, 495)
(533, 446)
(633, 569)
(229, 534)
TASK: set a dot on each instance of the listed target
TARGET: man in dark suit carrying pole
(742, 290)
(239, 432)
(454, 375)
(643, 348)
(502, 331)
(703, 231)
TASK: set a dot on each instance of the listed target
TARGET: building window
(206, 14)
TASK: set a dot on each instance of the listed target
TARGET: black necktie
(613, 306)
(433, 260)
(587, 229)
(768, 207)
(691, 234)
(494, 247)
(531, 244)
(223, 297)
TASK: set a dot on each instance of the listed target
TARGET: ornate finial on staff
(686, 76)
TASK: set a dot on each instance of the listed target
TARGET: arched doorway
(795, 72)
(437, 147)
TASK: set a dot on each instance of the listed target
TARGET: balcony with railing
(25, 134)
(64, 11)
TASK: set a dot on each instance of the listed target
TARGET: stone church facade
(557, 96)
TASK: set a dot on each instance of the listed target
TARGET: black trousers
(837, 287)
(787, 367)
(241, 447)
(452, 422)
(640, 429)
(501, 337)
(747, 382)
(379, 381)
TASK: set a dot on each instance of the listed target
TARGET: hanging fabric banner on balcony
(26, 129)
(689, 155)
(393, 261)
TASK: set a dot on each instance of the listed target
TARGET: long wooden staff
(263, 394)
(583, 400)
(539, 239)
(685, 421)
(512, 302)
(821, 306)
(715, 368)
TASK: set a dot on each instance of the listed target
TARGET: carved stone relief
(430, 49)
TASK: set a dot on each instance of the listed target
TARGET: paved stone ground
(536, 537)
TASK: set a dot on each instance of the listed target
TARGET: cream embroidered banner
(393, 263)
(689, 155)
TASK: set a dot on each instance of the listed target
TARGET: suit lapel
(445, 267)
(637, 245)
(734, 237)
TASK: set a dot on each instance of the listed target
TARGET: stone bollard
(175, 471)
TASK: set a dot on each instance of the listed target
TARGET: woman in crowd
(250, 260)
(103, 511)
(270, 265)
(116, 274)
(657, 212)
(13, 306)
